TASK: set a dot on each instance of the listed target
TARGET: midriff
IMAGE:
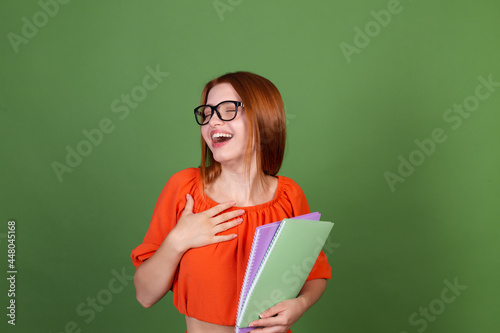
(194, 325)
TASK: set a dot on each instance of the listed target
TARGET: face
(226, 139)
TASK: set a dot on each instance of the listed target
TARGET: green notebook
(285, 267)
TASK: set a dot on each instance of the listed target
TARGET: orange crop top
(208, 279)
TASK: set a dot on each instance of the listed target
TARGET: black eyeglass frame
(215, 109)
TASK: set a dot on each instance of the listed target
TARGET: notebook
(282, 256)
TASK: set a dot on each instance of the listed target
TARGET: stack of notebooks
(282, 256)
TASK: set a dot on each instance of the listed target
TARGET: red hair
(266, 124)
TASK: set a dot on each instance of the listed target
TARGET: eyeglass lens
(227, 111)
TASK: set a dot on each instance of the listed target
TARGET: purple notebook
(262, 239)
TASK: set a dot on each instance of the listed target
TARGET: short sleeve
(168, 209)
(321, 269)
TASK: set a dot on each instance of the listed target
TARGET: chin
(224, 158)
(221, 159)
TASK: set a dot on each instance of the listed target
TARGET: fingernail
(188, 196)
(241, 211)
(233, 202)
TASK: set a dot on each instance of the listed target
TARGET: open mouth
(221, 137)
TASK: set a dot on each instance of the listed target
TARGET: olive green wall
(393, 117)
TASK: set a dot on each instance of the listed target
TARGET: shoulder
(291, 192)
(185, 176)
(290, 186)
(182, 181)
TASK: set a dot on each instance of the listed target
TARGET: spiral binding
(249, 269)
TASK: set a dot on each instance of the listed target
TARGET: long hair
(266, 125)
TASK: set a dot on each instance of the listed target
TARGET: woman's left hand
(279, 318)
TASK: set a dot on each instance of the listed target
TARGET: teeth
(220, 135)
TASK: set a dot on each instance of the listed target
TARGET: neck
(234, 183)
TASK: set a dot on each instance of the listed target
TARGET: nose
(215, 120)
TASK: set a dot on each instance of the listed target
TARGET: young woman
(202, 228)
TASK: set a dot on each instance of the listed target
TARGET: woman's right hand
(196, 230)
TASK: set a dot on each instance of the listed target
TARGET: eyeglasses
(226, 111)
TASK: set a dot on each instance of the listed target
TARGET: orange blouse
(208, 279)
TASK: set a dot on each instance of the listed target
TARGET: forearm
(154, 277)
(311, 292)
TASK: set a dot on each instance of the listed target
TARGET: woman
(202, 227)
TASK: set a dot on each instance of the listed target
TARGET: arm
(312, 291)
(284, 314)
(154, 277)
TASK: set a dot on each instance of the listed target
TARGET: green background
(348, 122)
